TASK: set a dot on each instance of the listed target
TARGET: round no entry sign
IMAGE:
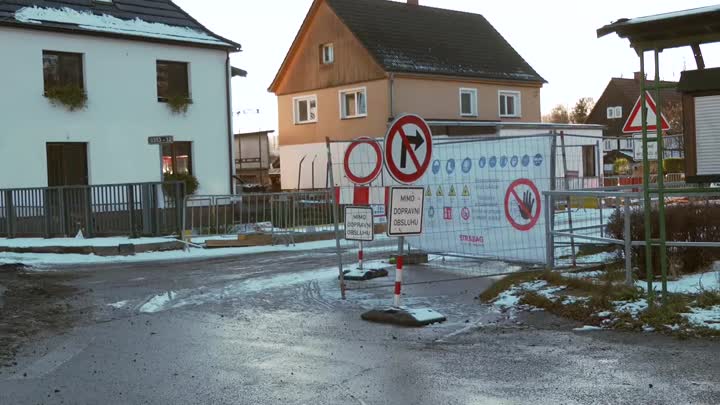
(523, 205)
(408, 149)
(363, 161)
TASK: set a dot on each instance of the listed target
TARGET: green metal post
(646, 183)
(661, 177)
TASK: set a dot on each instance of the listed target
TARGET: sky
(557, 37)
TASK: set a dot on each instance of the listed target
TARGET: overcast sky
(557, 37)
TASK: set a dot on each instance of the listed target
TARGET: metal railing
(282, 215)
(147, 209)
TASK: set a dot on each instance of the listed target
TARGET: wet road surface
(271, 329)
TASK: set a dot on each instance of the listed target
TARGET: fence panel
(97, 210)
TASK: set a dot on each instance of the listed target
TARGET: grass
(505, 283)
(708, 299)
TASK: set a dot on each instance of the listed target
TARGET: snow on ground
(631, 307)
(583, 274)
(40, 261)
(110, 24)
(587, 328)
(689, 284)
(706, 317)
(156, 303)
(602, 257)
(79, 242)
(119, 304)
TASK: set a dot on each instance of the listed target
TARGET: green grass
(708, 299)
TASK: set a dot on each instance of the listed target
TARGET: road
(272, 329)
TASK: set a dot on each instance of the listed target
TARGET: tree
(582, 109)
(674, 114)
(558, 115)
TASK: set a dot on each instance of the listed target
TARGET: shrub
(70, 96)
(178, 104)
(621, 166)
(191, 183)
(693, 222)
(674, 165)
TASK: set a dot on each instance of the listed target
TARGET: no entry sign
(408, 149)
(359, 225)
(522, 205)
(363, 161)
(405, 216)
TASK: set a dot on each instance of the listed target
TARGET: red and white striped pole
(398, 272)
(360, 256)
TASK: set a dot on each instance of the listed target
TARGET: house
(253, 159)
(112, 91)
(613, 109)
(355, 65)
(701, 107)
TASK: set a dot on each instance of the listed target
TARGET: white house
(112, 91)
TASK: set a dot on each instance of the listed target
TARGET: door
(67, 164)
(589, 161)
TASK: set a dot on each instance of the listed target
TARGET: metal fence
(147, 209)
(282, 215)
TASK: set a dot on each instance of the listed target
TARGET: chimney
(413, 2)
(638, 75)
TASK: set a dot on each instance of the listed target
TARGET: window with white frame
(614, 112)
(353, 103)
(509, 103)
(327, 54)
(305, 109)
(468, 102)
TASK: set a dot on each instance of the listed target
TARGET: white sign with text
(359, 224)
(405, 216)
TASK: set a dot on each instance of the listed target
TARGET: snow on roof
(674, 14)
(109, 24)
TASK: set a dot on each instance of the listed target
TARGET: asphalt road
(272, 329)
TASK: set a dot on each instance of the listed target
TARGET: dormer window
(327, 54)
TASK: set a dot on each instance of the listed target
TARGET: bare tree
(558, 115)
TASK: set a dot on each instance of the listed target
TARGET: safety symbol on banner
(428, 193)
(436, 167)
(482, 162)
(526, 161)
(440, 192)
(452, 192)
(431, 212)
(465, 213)
(466, 191)
(514, 161)
(523, 205)
(466, 165)
(503, 161)
(448, 213)
(538, 160)
(493, 162)
(450, 166)
(408, 149)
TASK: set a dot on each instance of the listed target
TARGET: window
(305, 109)
(353, 103)
(172, 80)
(510, 104)
(177, 158)
(62, 69)
(468, 102)
(327, 54)
(589, 161)
(614, 113)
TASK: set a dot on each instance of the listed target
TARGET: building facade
(355, 66)
(89, 103)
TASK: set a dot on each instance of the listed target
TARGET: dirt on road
(34, 305)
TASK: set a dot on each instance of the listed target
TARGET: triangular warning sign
(452, 192)
(428, 193)
(634, 122)
(440, 192)
(466, 191)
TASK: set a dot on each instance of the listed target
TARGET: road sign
(523, 205)
(362, 167)
(405, 216)
(652, 148)
(359, 224)
(160, 140)
(634, 121)
(408, 149)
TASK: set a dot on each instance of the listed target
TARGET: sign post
(408, 153)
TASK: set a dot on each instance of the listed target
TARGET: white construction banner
(484, 199)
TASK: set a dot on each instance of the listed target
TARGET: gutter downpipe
(392, 96)
(231, 140)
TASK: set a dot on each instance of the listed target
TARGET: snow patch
(705, 317)
(631, 307)
(79, 242)
(156, 303)
(110, 24)
(587, 328)
(119, 304)
(690, 284)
